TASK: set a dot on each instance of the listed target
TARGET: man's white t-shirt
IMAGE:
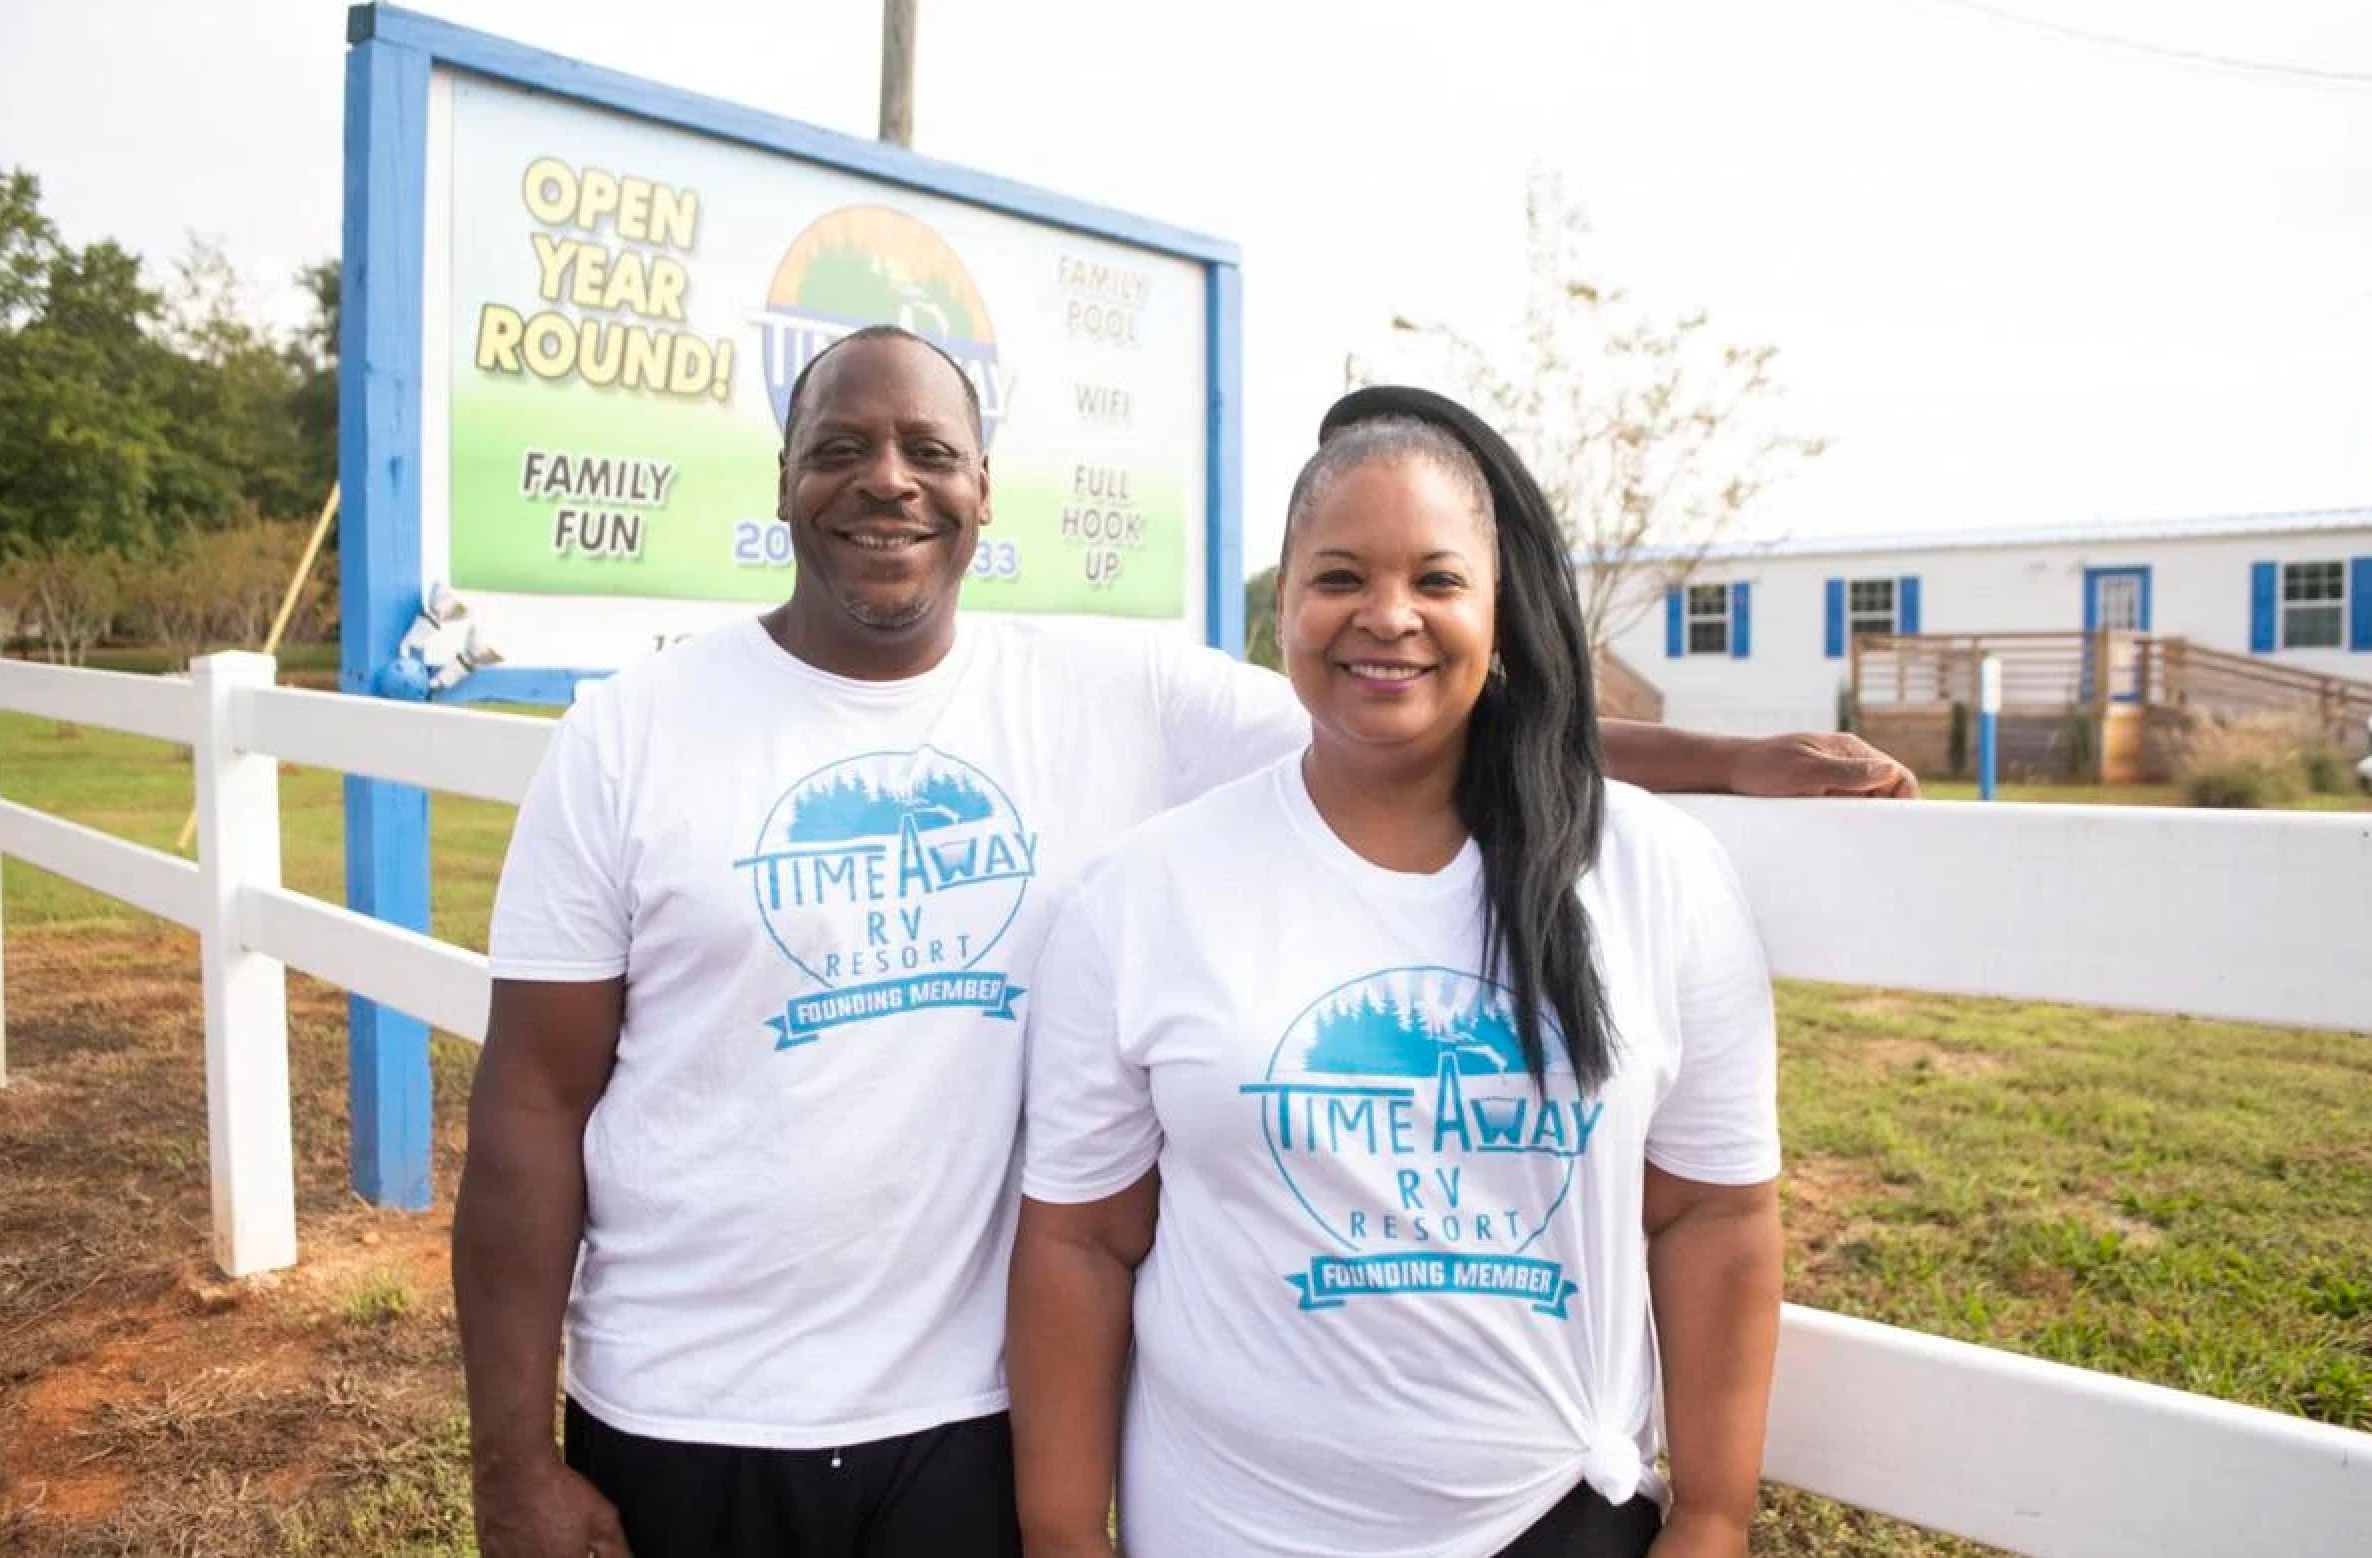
(1396, 1305)
(827, 898)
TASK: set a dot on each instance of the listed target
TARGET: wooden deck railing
(1624, 693)
(2225, 683)
(2058, 671)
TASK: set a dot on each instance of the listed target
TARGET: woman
(1428, 1131)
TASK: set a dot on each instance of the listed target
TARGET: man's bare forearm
(516, 1226)
(1665, 758)
(521, 1211)
(1831, 763)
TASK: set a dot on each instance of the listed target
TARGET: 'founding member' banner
(629, 303)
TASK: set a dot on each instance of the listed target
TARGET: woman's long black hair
(1531, 789)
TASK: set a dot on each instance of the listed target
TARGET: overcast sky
(2016, 277)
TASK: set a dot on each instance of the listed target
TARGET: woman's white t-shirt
(1396, 1305)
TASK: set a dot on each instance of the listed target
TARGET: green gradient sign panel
(623, 309)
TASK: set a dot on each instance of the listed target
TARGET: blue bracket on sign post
(391, 57)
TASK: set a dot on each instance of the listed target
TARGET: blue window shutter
(2264, 595)
(1675, 630)
(2359, 605)
(1906, 604)
(1836, 619)
(1741, 622)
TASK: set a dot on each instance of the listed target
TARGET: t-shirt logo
(886, 879)
(1399, 1112)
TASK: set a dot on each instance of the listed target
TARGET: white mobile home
(1761, 638)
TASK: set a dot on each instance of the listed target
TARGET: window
(1708, 619)
(1869, 606)
(2313, 605)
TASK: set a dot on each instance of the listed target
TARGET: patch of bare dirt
(147, 1404)
(1818, 1200)
(1926, 1055)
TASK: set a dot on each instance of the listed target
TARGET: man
(767, 913)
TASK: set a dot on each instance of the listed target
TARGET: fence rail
(2259, 919)
(157, 883)
(457, 751)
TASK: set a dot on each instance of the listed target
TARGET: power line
(2351, 78)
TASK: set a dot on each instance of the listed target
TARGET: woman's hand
(1096, 1546)
(1688, 1534)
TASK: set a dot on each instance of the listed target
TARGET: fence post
(1988, 718)
(248, 1147)
(2100, 659)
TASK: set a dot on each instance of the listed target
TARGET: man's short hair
(790, 419)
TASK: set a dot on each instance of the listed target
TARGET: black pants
(1584, 1525)
(946, 1492)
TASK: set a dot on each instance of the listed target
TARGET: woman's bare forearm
(1067, 1337)
(1714, 1274)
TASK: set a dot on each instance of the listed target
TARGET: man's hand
(1818, 764)
(546, 1511)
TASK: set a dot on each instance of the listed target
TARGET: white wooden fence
(2253, 918)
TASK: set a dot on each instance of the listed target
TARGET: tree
(134, 420)
(221, 588)
(251, 566)
(1260, 621)
(170, 602)
(1646, 434)
(239, 450)
(73, 593)
(82, 438)
(314, 357)
(27, 242)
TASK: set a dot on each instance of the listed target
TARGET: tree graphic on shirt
(1375, 1032)
(853, 808)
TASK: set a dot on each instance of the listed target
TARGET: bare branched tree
(70, 594)
(1648, 435)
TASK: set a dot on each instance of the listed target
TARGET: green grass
(411, 1498)
(2118, 795)
(310, 659)
(2183, 1202)
(378, 1300)
(141, 790)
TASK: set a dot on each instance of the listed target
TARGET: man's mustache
(916, 514)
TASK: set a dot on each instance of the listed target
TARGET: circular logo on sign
(869, 265)
(890, 866)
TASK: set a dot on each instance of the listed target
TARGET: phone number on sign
(766, 543)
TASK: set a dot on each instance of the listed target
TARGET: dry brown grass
(147, 1405)
(2258, 760)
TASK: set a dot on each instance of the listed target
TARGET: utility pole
(897, 72)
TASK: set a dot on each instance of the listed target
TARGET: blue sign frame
(388, 64)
